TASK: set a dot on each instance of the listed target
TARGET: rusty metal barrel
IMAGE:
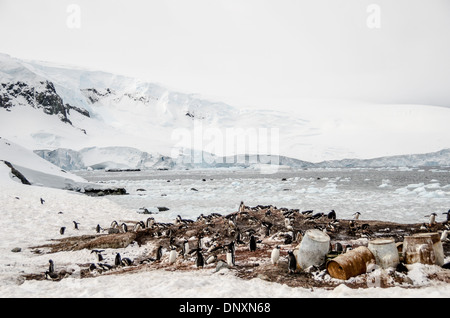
(351, 264)
(418, 249)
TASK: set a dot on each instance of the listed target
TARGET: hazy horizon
(248, 53)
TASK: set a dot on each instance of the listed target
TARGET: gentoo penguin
(172, 255)
(230, 256)
(42, 201)
(287, 221)
(75, 225)
(275, 256)
(150, 221)
(292, 262)
(444, 235)
(98, 253)
(51, 266)
(200, 260)
(126, 261)
(118, 260)
(159, 253)
(332, 215)
(356, 215)
(252, 244)
(98, 228)
(448, 216)
(232, 220)
(432, 218)
(61, 230)
(114, 224)
(124, 227)
(242, 207)
(338, 247)
(185, 248)
(266, 228)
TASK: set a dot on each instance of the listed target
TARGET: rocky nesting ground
(271, 226)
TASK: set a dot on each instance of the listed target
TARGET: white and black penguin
(275, 255)
(98, 254)
(114, 224)
(75, 225)
(172, 255)
(332, 215)
(118, 260)
(159, 253)
(126, 261)
(61, 230)
(447, 220)
(292, 262)
(50, 273)
(432, 219)
(185, 248)
(444, 236)
(357, 215)
(252, 244)
(98, 228)
(51, 266)
(338, 247)
(230, 256)
(150, 222)
(242, 207)
(42, 201)
(200, 262)
(124, 227)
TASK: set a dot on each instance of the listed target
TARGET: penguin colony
(267, 233)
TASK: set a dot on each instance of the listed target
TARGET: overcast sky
(247, 52)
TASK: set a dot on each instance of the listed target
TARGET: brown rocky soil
(249, 264)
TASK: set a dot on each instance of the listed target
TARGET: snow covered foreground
(25, 223)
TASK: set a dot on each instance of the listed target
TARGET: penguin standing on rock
(275, 255)
(252, 244)
(172, 255)
(448, 216)
(200, 260)
(185, 248)
(51, 266)
(99, 255)
(230, 256)
(159, 253)
(98, 228)
(432, 219)
(356, 215)
(332, 215)
(292, 262)
(50, 273)
(118, 260)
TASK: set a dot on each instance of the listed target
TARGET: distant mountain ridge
(130, 158)
(46, 107)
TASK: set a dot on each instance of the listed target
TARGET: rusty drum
(351, 264)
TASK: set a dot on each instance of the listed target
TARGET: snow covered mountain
(80, 118)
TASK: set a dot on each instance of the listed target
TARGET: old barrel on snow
(351, 263)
